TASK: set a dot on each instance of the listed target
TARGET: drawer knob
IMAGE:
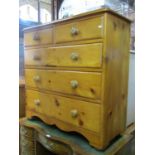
(74, 84)
(74, 31)
(37, 102)
(36, 57)
(74, 113)
(36, 78)
(36, 37)
(74, 56)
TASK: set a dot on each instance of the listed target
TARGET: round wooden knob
(74, 31)
(74, 84)
(74, 113)
(37, 102)
(36, 78)
(74, 56)
(36, 37)
(36, 57)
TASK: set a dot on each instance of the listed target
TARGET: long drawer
(38, 37)
(79, 113)
(89, 55)
(91, 28)
(86, 84)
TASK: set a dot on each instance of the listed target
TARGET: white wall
(131, 91)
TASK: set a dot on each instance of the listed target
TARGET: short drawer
(88, 55)
(76, 112)
(83, 29)
(38, 37)
(85, 84)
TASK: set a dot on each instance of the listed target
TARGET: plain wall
(131, 91)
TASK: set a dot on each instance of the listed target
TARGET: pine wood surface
(44, 37)
(102, 78)
(85, 31)
(88, 55)
(62, 108)
(61, 81)
(115, 71)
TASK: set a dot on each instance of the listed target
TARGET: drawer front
(86, 84)
(38, 37)
(89, 55)
(80, 30)
(79, 113)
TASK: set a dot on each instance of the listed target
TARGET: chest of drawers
(76, 73)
